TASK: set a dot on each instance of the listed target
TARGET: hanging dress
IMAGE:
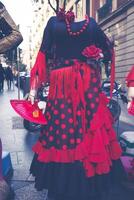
(77, 153)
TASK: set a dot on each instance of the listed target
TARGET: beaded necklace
(77, 32)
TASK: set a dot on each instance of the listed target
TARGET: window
(114, 5)
(105, 10)
(87, 7)
(102, 2)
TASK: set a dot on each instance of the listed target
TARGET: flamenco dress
(77, 155)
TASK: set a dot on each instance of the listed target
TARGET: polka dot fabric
(92, 98)
(60, 131)
(79, 124)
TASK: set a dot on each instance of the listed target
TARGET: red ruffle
(38, 72)
(97, 150)
(71, 77)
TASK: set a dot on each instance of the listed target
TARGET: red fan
(28, 111)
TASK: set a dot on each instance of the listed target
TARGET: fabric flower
(92, 52)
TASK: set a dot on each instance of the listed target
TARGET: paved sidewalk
(18, 142)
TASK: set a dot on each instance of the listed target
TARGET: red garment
(130, 78)
(78, 143)
(85, 134)
(38, 72)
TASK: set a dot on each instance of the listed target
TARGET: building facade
(116, 18)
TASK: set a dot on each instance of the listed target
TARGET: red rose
(92, 52)
(70, 16)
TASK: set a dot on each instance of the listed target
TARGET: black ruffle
(68, 181)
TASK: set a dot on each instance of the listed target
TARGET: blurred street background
(116, 18)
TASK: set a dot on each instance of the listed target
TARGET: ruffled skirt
(77, 153)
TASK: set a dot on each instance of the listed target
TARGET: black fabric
(1, 5)
(69, 182)
(57, 43)
(102, 41)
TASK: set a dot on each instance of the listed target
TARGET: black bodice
(57, 43)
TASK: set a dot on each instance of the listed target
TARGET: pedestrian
(2, 77)
(77, 156)
(9, 77)
(10, 37)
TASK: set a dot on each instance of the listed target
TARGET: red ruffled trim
(97, 150)
(38, 72)
(71, 77)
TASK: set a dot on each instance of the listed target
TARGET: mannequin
(77, 154)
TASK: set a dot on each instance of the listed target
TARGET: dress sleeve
(107, 47)
(38, 72)
(10, 36)
(130, 78)
(103, 42)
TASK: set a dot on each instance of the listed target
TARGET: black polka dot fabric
(60, 131)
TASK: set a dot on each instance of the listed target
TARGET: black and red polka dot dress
(77, 149)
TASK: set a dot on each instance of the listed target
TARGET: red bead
(80, 31)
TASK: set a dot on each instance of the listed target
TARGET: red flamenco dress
(77, 153)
